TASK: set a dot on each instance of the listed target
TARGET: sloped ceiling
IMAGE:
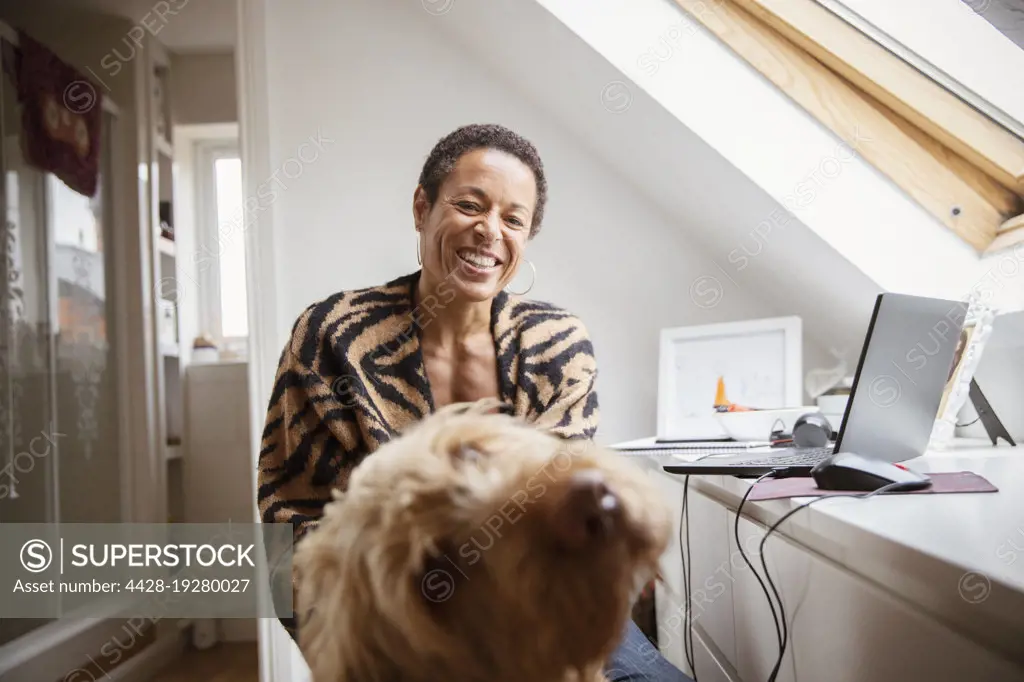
(751, 243)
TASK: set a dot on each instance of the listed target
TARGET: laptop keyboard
(801, 457)
(660, 452)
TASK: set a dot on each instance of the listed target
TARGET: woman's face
(475, 234)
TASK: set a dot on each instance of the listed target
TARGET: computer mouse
(850, 471)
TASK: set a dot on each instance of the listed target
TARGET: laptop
(905, 363)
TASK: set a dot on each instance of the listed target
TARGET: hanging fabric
(61, 116)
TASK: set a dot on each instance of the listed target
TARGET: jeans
(637, 660)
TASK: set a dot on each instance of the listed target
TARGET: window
(233, 319)
(223, 305)
(959, 154)
(965, 45)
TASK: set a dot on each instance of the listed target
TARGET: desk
(925, 587)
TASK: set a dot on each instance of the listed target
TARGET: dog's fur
(440, 561)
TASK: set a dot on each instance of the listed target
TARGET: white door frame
(276, 649)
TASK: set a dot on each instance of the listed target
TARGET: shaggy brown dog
(477, 548)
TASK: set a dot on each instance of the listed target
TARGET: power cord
(684, 524)
(684, 553)
(739, 546)
(782, 472)
(689, 581)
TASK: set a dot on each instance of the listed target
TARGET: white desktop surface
(951, 555)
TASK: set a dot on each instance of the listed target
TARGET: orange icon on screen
(723, 404)
(720, 399)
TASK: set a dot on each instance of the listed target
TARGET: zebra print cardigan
(351, 377)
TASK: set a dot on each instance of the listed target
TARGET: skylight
(965, 45)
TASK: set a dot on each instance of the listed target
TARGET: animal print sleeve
(573, 411)
(300, 458)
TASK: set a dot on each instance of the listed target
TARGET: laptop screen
(902, 373)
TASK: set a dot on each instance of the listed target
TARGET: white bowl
(833, 404)
(758, 424)
(835, 421)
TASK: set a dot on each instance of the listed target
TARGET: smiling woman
(361, 366)
(480, 198)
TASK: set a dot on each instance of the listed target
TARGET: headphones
(811, 430)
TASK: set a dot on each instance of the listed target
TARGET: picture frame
(760, 362)
(975, 332)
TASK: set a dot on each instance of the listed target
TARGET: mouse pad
(804, 486)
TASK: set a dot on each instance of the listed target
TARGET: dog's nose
(588, 511)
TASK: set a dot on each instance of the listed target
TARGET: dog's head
(477, 547)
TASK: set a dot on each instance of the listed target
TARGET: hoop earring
(532, 282)
(419, 260)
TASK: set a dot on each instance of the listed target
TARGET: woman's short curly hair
(452, 146)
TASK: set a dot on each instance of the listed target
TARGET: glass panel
(60, 459)
(967, 46)
(234, 320)
(28, 432)
(1006, 15)
(86, 380)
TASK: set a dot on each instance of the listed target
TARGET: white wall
(203, 88)
(344, 220)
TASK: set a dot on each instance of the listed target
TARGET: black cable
(785, 629)
(682, 559)
(689, 578)
(782, 609)
(739, 546)
(684, 522)
(683, 553)
(960, 426)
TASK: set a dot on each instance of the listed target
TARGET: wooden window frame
(958, 164)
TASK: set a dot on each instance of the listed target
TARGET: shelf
(169, 350)
(172, 452)
(167, 246)
(164, 147)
